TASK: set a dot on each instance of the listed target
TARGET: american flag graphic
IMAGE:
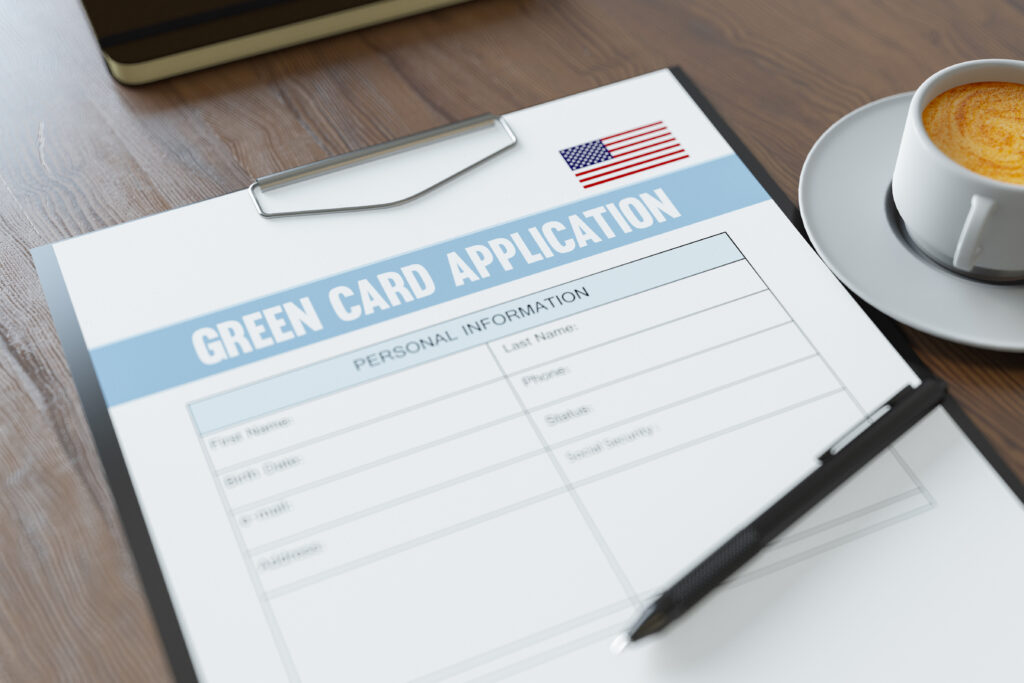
(623, 154)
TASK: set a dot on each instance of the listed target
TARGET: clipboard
(279, 197)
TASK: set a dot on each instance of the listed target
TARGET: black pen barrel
(700, 581)
(837, 465)
(836, 468)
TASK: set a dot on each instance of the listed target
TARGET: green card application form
(468, 437)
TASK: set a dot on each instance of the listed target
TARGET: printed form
(470, 437)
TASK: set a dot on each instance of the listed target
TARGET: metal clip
(265, 185)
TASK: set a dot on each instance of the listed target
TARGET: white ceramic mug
(968, 222)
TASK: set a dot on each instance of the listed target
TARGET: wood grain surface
(80, 152)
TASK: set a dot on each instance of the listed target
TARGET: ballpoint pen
(847, 456)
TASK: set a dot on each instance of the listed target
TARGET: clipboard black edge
(114, 467)
(116, 471)
(889, 327)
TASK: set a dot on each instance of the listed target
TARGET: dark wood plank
(81, 152)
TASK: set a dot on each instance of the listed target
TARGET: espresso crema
(981, 127)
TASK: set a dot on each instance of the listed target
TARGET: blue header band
(340, 372)
(165, 358)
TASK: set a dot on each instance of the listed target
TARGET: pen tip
(620, 643)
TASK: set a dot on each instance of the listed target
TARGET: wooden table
(80, 152)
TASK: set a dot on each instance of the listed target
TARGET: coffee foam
(981, 127)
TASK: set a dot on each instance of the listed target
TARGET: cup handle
(969, 244)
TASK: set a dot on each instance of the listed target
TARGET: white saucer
(843, 188)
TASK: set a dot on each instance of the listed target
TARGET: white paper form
(468, 438)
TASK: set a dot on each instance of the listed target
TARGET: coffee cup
(964, 220)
